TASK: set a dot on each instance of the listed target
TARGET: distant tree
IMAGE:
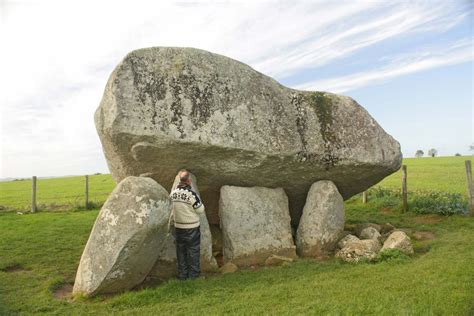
(457, 155)
(419, 153)
(471, 147)
(432, 152)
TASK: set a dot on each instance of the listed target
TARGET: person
(186, 207)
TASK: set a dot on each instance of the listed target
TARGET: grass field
(440, 173)
(40, 252)
(39, 255)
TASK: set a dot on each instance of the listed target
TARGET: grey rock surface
(355, 251)
(370, 233)
(167, 108)
(346, 239)
(165, 266)
(127, 233)
(255, 224)
(322, 222)
(398, 240)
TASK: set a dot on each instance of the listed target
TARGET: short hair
(184, 176)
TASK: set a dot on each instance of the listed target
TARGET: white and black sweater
(186, 207)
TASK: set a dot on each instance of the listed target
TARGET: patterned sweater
(186, 207)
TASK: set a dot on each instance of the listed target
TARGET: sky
(409, 63)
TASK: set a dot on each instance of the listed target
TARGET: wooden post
(87, 192)
(470, 193)
(33, 194)
(364, 197)
(404, 188)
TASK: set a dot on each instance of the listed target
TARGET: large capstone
(127, 237)
(255, 224)
(169, 108)
(322, 222)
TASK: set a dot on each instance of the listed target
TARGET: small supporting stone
(470, 193)
(404, 188)
(33, 194)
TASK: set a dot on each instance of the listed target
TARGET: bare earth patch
(423, 235)
(429, 219)
(14, 268)
(64, 292)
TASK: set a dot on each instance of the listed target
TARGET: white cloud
(56, 57)
(456, 53)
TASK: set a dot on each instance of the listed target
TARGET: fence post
(364, 197)
(33, 194)
(87, 192)
(470, 193)
(404, 188)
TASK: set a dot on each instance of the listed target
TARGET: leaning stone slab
(124, 242)
(255, 224)
(322, 222)
(165, 266)
(166, 108)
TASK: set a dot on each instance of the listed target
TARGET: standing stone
(322, 222)
(166, 108)
(398, 240)
(126, 238)
(165, 266)
(255, 224)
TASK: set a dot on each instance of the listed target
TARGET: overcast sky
(409, 63)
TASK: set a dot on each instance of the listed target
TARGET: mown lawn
(55, 194)
(446, 174)
(40, 252)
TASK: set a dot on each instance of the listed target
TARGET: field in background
(440, 173)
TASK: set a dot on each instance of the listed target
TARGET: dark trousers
(188, 252)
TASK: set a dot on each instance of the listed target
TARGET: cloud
(433, 57)
(56, 57)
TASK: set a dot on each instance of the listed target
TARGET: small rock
(356, 251)
(348, 238)
(369, 233)
(387, 227)
(229, 267)
(360, 227)
(276, 260)
(398, 240)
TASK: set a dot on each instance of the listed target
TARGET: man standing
(186, 207)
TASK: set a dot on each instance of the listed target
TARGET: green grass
(40, 252)
(440, 173)
(55, 194)
(439, 279)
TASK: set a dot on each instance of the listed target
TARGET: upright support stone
(255, 224)
(322, 222)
